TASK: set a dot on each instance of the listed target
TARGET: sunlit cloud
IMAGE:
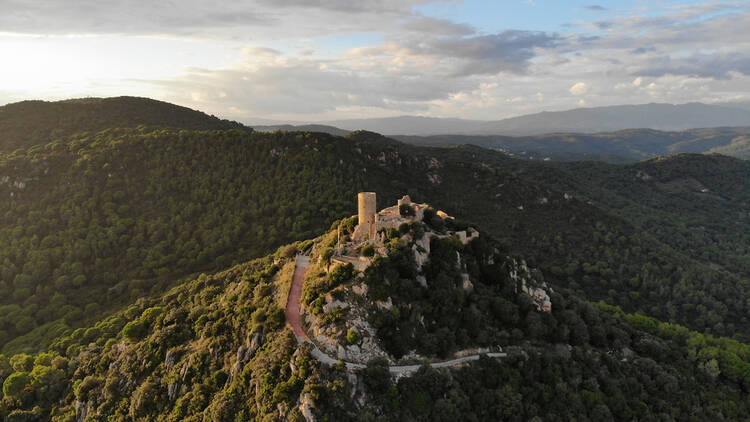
(308, 60)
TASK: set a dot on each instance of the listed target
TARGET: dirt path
(292, 312)
(293, 301)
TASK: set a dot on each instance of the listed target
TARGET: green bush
(406, 210)
(22, 362)
(15, 383)
(352, 336)
(368, 250)
(134, 330)
(289, 251)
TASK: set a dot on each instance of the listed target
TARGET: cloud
(305, 86)
(460, 56)
(643, 50)
(197, 18)
(579, 88)
(277, 57)
(717, 66)
(260, 51)
(435, 26)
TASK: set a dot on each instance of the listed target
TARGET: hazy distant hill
(653, 116)
(410, 125)
(582, 120)
(28, 123)
(302, 128)
(632, 144)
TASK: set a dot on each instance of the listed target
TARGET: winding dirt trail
(292, 313)
(292, 310)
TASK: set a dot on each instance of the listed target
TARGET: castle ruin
(367, 215)
(373, 225)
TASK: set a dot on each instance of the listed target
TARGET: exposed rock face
(306, 406)
(328, 307)
(537, 290)
(421, 249)
(385, 304)
(360, 289)
(467, 284)
(330, 338)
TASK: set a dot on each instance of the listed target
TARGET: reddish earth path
(295, 293)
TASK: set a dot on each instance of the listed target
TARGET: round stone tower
(367, 208)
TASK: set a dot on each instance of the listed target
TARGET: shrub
(368, 250)
(134, 330)
(352, 336)
(44, 359)
(150, 314)
(406, 210)
(289, 251)
(82, 388)
(22, 362)
(15, 383)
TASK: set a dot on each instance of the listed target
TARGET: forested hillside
(29, 123)
(124, 212)
(216, 348)
(96, 227)
(107, 218)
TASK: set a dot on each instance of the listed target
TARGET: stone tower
(367, 213)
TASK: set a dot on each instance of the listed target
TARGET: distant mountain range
(304, 128)
(582, 120)
(617, 146)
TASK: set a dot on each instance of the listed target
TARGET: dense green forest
(105, 219)
(106, 225)
(216, 348)
(125, 212)
(29, 123)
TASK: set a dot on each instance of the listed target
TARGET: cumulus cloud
(294, 57)
(305, 86)
(579, 88)
(460, 56)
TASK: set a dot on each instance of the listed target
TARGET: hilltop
(97, 227)
(216, 347)
(29, 123)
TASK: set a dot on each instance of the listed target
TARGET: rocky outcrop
(537, 290)
(306, 406)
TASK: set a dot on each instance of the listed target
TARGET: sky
(321, 60)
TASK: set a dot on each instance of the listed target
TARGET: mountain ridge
(29, 123)
(659, 116)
